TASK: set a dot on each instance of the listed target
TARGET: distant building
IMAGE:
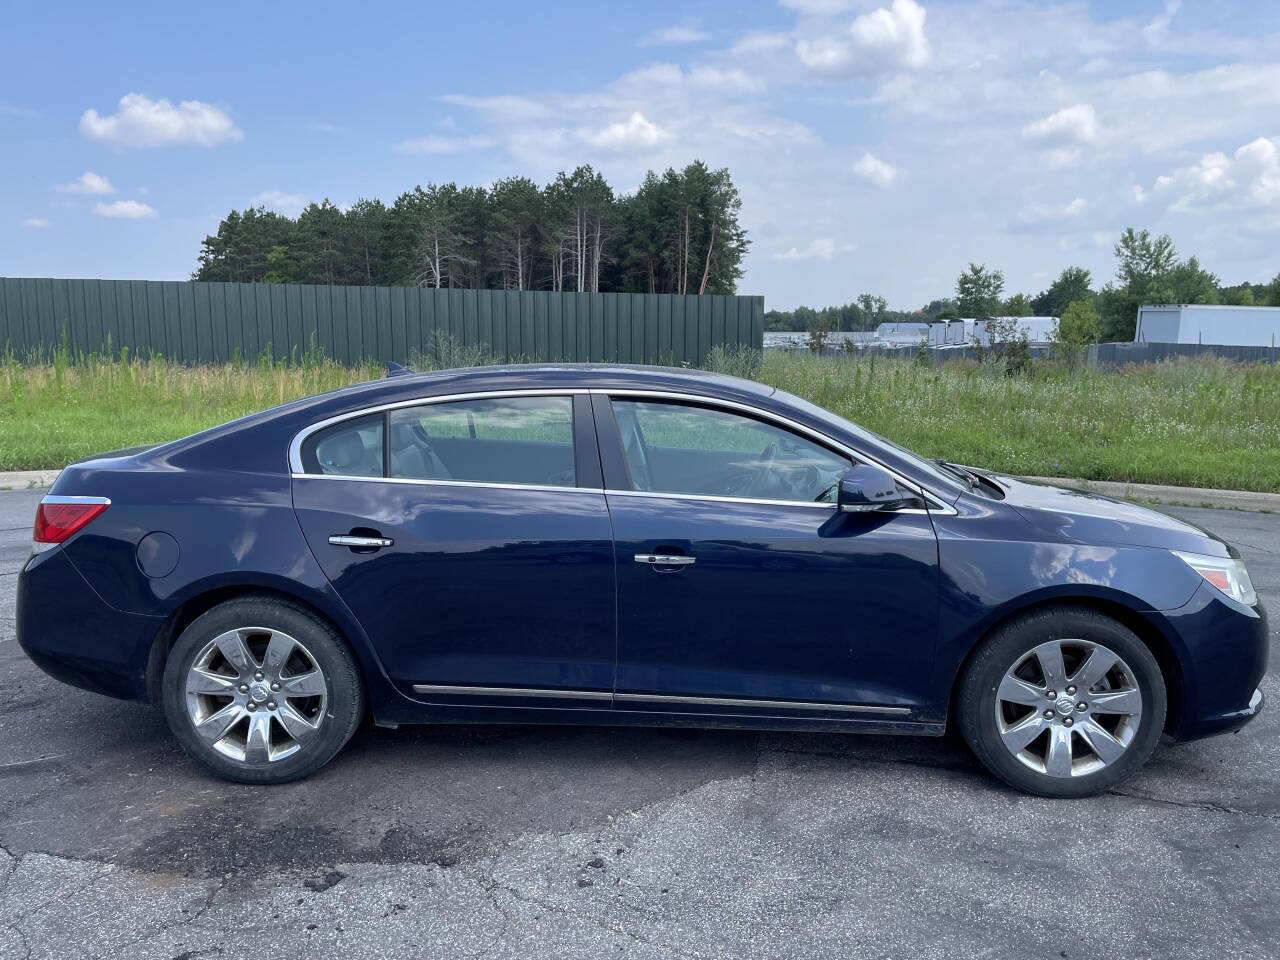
(968, 331)
(1208, 323)
(1039, 330)
(901, 334)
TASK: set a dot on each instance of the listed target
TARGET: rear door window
(518, 440)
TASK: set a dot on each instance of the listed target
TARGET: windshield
(926, 467)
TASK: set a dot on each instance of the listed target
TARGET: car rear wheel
(259, 690)
(1062, 702)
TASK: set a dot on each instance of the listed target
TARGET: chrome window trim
(943, 507)
(715, 498)
(295, 445)
(939, 504)
(489, 484)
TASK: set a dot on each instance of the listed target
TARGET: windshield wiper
(968, 476)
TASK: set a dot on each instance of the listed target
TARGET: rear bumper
(75, 636)
(1225, 649)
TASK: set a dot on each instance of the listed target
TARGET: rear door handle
(665, 559)
(350, 540)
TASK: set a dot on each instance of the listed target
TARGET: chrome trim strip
(829, 507)
(512, 692)
(537, 692)
(295, 446)
(939, 503)
(537, 487)
(943, 506)
(764, 704)
(664, 560)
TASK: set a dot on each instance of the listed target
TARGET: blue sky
(879, 144)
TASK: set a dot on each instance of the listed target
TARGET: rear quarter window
(352, 448)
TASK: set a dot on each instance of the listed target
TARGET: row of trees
(678, 233)
(1148, 270)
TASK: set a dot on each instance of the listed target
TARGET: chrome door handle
(665, 560)
(347, 540)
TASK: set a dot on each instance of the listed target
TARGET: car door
(471, 538)
(741, 588)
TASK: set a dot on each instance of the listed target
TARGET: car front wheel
(1062, 702)
(259, 690)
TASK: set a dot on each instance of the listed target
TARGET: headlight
(1226, 574)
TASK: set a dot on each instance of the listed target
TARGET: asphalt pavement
(587, 842)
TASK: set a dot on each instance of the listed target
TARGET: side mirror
(866, 488)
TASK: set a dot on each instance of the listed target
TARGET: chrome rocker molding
(444, 688)
(938, 503)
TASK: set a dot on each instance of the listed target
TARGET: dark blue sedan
(564, 544)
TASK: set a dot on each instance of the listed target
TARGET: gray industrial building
(1209, 324)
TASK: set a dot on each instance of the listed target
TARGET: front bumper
(75, 636)
(1223, 657)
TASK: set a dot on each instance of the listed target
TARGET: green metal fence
(196, 322)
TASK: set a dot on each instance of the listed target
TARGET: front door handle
(665, 559)
(351, 540)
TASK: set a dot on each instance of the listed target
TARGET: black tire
(999, 652)
(344, 692)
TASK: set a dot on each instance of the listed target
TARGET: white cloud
(886, 39)
(290, 204)
(125, 210)
(897, 31)
(437, 144)
(819, 248)
(636, 132)
(728, 80)
(1157, 31)
(673, 36)
(500, 108)
(143, 122)
(88, 182)
(875, 170)
(1036, 217)
(1075, 124)
(1249, 178)
(1059, 157)
(39, 223)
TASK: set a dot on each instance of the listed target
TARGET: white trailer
(1214, 324)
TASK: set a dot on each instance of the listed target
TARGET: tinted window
(680, 448)
(525, 440)
(352, 448)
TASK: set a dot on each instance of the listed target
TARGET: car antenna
(397, 370)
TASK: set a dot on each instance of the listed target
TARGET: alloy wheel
(1068, 708)
(256, 695)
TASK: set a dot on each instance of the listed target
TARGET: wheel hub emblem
(1066, 706)
(259, 693)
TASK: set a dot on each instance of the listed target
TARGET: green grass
(1193, 422)
(1202, 422)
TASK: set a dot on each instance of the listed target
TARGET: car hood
(1095, 519)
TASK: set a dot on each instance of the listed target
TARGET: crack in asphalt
(1204, 805)
(122, 949)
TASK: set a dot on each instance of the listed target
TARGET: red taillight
(59, 518)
